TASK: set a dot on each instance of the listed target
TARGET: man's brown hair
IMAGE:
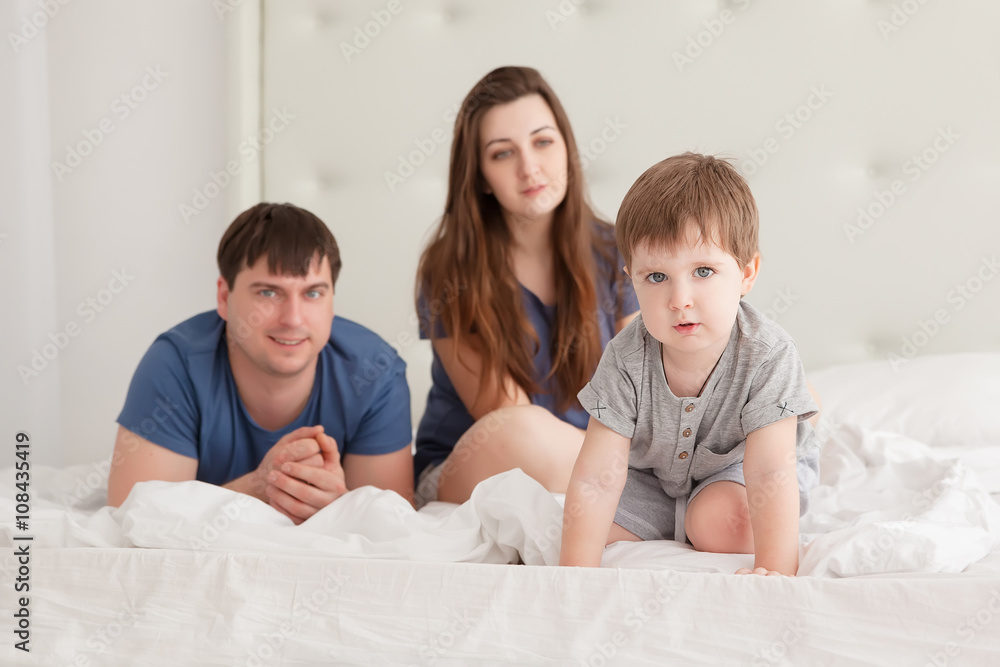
(290, 236)
(689, 189)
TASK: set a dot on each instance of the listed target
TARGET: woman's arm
(465, 370)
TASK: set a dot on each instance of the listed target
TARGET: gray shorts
(645, 510)
(427, 485)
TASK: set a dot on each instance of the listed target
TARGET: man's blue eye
(267, 292)
(703, 272)
(657, 277)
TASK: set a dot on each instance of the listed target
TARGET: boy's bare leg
(718, 519)
(619, 534)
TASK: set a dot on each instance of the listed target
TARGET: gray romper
(681, 445)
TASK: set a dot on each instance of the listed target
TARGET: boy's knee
(721, 524)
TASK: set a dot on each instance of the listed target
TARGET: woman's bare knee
(524, 436)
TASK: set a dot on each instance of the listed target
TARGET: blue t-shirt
(183, 397)
(446, 417)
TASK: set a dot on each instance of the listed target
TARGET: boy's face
(689, 296)
(277, 324)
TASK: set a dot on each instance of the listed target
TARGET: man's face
(277, 324)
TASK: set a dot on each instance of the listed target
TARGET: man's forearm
(249, 484)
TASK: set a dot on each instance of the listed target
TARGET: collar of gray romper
(720, 366)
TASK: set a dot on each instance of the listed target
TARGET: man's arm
(593, 494)
(137, 460)
(393, 471)
(769, 469)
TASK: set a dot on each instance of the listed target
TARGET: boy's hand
(762, 572)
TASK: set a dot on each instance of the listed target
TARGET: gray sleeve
(611, 396)
(778, 390)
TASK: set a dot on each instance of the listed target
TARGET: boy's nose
(680, 299)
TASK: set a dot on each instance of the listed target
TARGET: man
(269, 395)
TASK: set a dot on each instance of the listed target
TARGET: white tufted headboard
(826, 106)
(867, 130)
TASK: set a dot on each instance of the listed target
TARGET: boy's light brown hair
(689, 189)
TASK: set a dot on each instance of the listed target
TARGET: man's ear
(222, 298)
(750, 273)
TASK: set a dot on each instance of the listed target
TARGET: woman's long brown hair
(465, 275)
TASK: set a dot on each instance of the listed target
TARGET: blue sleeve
(160, 405)
(385, 426)
(427, 318)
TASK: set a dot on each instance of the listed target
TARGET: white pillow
(941, 400)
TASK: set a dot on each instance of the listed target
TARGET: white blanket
(885, 504)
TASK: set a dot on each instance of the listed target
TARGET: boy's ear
(625, 269)
(750, 273)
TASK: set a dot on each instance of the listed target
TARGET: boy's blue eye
(703, 272)
(656, 277)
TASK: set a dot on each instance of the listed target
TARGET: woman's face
(522, 157)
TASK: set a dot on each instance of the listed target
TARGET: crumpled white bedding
(886, 504)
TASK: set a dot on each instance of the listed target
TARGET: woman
(519, 290)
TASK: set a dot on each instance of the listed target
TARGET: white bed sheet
(899, 565)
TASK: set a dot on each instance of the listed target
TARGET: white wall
(61, 240)
(116, 211)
